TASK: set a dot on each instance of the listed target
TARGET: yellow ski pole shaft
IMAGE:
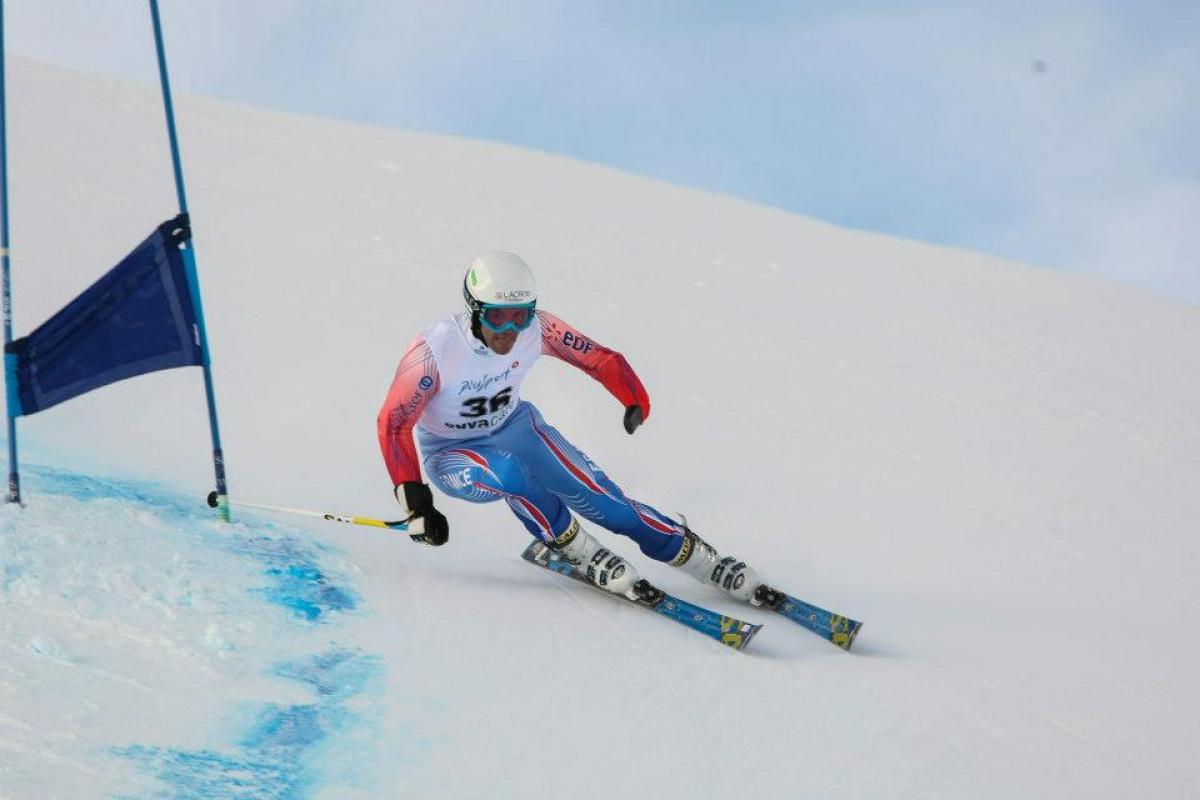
(396, 525)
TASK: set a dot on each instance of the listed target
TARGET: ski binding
(728, 631)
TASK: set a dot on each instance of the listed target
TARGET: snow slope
(995, 467)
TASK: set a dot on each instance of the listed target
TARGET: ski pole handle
(397, 525)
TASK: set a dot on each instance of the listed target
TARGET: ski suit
(480, 442)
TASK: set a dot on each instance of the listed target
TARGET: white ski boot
(701, 560)
(600, 565)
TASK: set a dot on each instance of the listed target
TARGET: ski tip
(737, 634)
(754, 629)
(846, 638)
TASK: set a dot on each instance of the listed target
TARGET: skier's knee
(507, 474)
(479, 476)
(464, 483)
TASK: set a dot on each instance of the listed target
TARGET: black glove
(419, 501)
(633, 418)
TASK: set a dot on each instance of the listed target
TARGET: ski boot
(602, 567)
(701, 560)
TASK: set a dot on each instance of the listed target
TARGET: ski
(832, 627)
(728, 631)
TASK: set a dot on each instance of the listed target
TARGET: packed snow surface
(996, 468)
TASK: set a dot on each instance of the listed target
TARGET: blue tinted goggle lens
(499, 319)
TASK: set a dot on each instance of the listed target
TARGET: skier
(459, 386)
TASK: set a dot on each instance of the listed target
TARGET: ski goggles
(501, 319)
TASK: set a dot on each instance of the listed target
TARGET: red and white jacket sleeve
(415, 383)
(607, 366)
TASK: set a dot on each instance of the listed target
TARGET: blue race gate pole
(14, 478)
(189, 262)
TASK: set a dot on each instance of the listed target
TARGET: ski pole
(397, 525)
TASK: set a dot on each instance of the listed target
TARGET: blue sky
(1059, 133)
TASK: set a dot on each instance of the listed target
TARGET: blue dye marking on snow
(280, 756)
(11, 573)
(204, 774)
(305, 590)
(337, 674)
(296, 581)
(276, 759)
(52, 481)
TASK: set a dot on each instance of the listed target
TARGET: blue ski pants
(542, 477)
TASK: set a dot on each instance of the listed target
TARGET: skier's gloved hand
(633, 418)
(417, 498)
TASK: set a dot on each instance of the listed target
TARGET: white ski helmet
(499, 279)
